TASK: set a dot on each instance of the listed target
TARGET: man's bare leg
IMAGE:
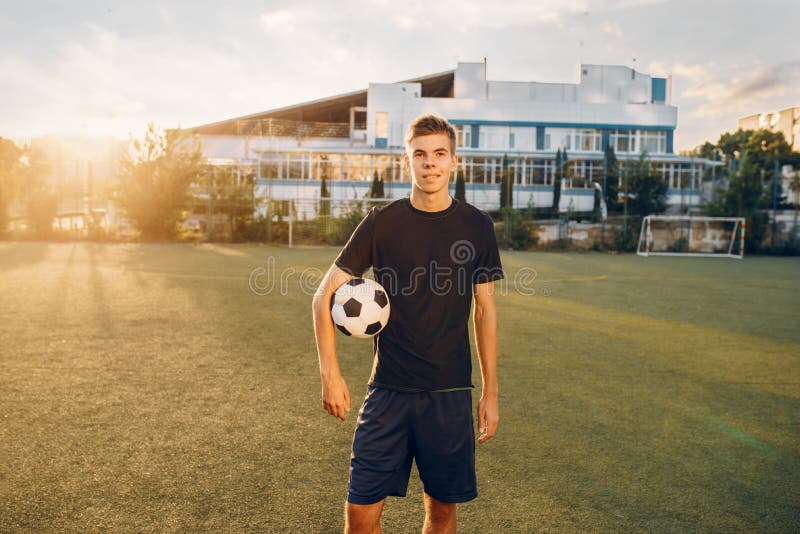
(440, 517)
(363, 518)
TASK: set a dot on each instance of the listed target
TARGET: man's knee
(362, 518)
(438, 512)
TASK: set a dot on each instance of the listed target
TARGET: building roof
(332, 109)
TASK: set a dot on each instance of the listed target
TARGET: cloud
(201, 63)
(722, 90)
(612, 5)
(282, 20)
(475, 14)
(712, 96)
(340, 55)
(106, 84)
(766, 80)
(611, 28)
(406, 22)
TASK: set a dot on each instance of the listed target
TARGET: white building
(786, 121)
(348, 138)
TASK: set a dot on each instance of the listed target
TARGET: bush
(756, 232)
(627, 241)
(517, 233)
(341, 228)
(786, 248)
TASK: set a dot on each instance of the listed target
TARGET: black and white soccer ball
(360, 308)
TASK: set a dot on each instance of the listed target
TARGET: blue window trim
(539, 138)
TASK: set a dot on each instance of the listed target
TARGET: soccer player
(433, 255)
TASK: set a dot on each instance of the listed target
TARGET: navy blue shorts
(395, 428)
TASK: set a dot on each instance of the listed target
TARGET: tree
(744, 197)
(751, 156)
(231, 193)
(324, 198)
(764, 146)
(374, 190)
(154, 181)
(643, 193)
(516, 232)
(646, 192)
(706, 150)
(557, 174)
(506, 185)
(611, 169)
(10, 169)
(461, 190)
(597, 214)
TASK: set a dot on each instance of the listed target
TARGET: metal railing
(290, 128)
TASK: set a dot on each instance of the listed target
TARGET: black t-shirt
(427, 262)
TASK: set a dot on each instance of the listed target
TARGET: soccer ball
(360, 308)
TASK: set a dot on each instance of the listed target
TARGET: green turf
(147, 388)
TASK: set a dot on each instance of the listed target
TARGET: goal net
(675, 235)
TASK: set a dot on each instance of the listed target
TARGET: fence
(314, 221)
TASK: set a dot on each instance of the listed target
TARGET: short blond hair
(428, 125)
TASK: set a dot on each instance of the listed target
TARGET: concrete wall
(470, 81)
(607, 83)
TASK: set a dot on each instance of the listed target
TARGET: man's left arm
(485, 319)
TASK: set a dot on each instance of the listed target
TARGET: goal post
(676, 235)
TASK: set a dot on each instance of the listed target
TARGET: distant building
(786, 121)
(511, 126)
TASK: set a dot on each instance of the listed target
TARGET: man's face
(430, 161)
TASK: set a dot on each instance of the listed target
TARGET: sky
(94, 69)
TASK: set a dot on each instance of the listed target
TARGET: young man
(432, 254)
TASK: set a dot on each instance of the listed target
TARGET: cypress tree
(381, 193)
(373, 190)
(506, 185)
(324, 198)
(557, 173)
(461, 190)
(611, 178)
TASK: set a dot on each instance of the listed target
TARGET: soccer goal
(675, 235)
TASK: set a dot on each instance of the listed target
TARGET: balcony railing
(290, 128)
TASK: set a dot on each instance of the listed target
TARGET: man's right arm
(335, 395)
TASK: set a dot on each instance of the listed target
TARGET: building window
(479, 171)
(623, 141)
(587, 140)
(580, 139)
(381, 125)
(557, 138)
(463, 136)
(633, 141)
(493, 137)
(653, 142)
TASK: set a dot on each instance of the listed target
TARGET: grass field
(148, 388)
